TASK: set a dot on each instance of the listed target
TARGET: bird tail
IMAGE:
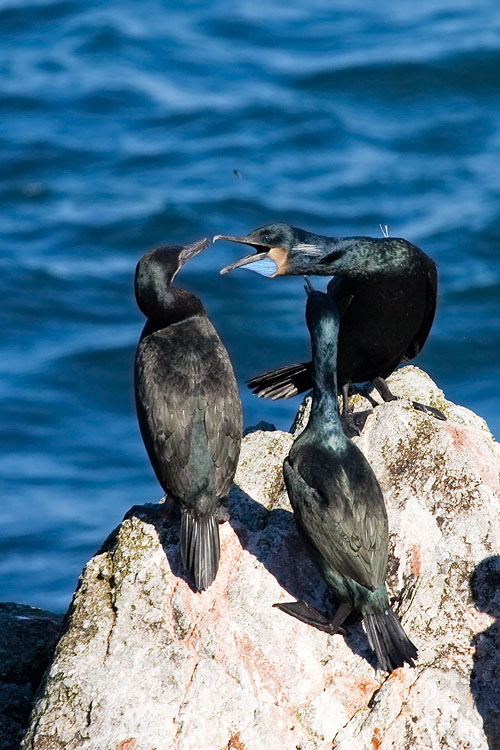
(388, 639)
(200, 548)
(285, 382)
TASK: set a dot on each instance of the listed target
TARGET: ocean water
(127, 125)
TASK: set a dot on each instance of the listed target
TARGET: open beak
(189, 251)
(246, 261)
(266, 267)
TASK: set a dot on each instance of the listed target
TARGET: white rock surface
(146, 664)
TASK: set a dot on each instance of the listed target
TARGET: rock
(260, 468)
(146, 663)
(27, 640)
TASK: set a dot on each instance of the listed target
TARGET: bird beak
(227, 237)
(308, 286)
(246, 261)
(189, 251)
(260, 255)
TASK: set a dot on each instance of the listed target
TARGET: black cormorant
(385, 291)
(339, 508)
(188, 405)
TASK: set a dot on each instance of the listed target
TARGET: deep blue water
(122, 125)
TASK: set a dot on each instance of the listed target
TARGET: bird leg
(352, 423)
(384, 389)
(305, 613)
(222, 514)
(387, 395)
(366, 393)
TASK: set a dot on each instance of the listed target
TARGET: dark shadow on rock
(167, 521)
(485, 675)
(272, 537)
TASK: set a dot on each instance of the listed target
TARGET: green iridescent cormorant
(188, 405)
(339, 508)
(384, 288)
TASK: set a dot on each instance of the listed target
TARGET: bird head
(156, 271)
(280, 250)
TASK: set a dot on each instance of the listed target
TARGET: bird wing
(165, 407)
(341, 510)
(430, 308)
(341, 291)
(187, 380)
(219, 401)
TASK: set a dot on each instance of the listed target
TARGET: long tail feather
(285, 382)
(200, 548)
(389, 641)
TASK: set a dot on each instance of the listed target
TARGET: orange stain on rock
(358, 692)
(398, 675)
(256, 661)
(416, 560)
(459, 436)
(377, 739)
(466, 440)
(129, 744)
(235, 743)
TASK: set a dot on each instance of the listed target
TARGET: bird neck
(364, 257)
(325, 416)
(169, 305)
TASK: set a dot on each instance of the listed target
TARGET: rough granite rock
(27, 640)
(145, 663)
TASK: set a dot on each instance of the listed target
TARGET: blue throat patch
(265, 267)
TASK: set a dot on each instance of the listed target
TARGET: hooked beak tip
(190, 251)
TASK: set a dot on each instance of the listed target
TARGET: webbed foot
(429, 410)
(353, 422)
(305, 613)
(386, 394)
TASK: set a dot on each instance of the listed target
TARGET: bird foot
(386, 394)
(353, 422)
(167, 507)
(222, 514)
(367, 394)
(305, 613)
(429, 410)
(149, 510)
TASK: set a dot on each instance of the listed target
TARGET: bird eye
(266, 239)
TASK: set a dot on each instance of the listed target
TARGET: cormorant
(385, 291)
(339, 508)
(188, 405)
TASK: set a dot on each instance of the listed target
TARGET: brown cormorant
(188, 405)
(385, 291)
(339, 508)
